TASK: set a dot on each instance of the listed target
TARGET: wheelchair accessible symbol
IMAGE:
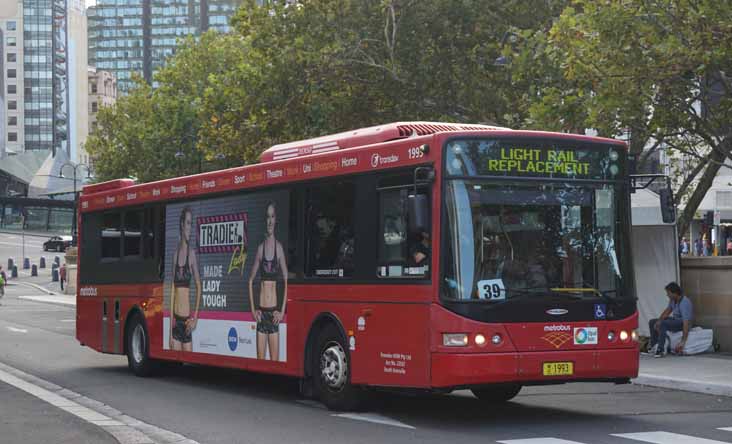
(600, 310)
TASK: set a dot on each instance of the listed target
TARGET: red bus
(412, 255)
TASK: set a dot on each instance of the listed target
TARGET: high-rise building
(11, 77)
(136, 36)
(43, 42)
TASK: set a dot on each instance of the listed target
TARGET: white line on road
(666, 438)
(17, 330)
(27, 244)
(539, 441)
(373, 417)
(726, 429)
(126, 429)
(67, 320)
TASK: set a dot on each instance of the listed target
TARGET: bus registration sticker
(492, 290)
(558, 368)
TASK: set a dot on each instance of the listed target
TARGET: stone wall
(707, 281)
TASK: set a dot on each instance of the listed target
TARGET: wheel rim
(138, 343)
(334, 366)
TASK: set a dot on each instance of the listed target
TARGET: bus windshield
(520, 238)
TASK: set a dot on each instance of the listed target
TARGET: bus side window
(133, 233)
(400, 254)
(330, 233)
(293, 246)
(111, 235)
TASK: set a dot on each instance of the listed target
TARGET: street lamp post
(76, 197)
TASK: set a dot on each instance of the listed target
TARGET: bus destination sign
(528, 160)
(541, 158)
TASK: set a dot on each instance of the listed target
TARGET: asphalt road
(212, 405)
(11, 245)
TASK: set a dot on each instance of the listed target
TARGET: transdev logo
(557, 312)
(233, 339)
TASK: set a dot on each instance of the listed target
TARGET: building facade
(11, 77)
(44, 61)
(102, 92)
(136, 36)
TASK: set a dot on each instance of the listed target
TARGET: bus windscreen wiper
(585, 288)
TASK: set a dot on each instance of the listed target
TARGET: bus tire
(138, 347)
(331, 371)
(497, 393)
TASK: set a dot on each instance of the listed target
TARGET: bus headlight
(496, 339)
(634, 335)
(479, 340)
(454, 339)
(624, 335)
(611, 336)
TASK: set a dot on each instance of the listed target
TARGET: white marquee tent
(655, 256)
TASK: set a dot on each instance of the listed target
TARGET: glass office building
(136, 36)
(38, 71)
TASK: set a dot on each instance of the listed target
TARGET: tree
(292, 71)
(657, 71)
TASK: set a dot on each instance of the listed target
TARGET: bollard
(54, 274)
(11, 262)
(43, 262)
(14, 274)
(34, 270)
(26, 264)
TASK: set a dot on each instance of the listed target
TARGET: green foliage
(289, 72)
(644, 69)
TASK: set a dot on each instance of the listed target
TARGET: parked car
(57, 243)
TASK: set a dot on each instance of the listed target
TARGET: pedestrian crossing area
(659, 437)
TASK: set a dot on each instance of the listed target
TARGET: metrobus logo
(223, 233)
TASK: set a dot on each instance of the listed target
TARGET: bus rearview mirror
(668, 208)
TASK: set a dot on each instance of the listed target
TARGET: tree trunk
(716, 158)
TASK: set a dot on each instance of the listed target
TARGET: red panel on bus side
(389, 347)
(88, 322)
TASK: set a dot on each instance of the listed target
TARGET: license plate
(558, 368)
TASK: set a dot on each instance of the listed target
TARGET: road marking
(539, 441)
(726, 429)
(124, 428)
(17, 330)
(67, 320)
(373, 417)
(27, 244)
(666, 438)
(63, 300)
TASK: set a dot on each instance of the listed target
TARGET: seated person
(676, 317)
(420, 253)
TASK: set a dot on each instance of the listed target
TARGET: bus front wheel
(497, 393)
(138, 347)
(331, 371)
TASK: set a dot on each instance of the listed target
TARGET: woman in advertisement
(270, 262)
(185, 267)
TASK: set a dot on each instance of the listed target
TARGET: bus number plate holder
(558, 368)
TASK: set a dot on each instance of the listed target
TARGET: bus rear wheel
(497, 393)
(331, 371)
(138, 347)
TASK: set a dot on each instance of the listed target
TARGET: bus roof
(365, 136)
(307, 159)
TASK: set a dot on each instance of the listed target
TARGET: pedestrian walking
(699, 246)
(684, 247)
(3, 281)
(62, 276)
(729, 246)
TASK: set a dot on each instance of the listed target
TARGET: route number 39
(415, 152)
(492, 290)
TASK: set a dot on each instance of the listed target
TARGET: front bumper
(452, 370)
